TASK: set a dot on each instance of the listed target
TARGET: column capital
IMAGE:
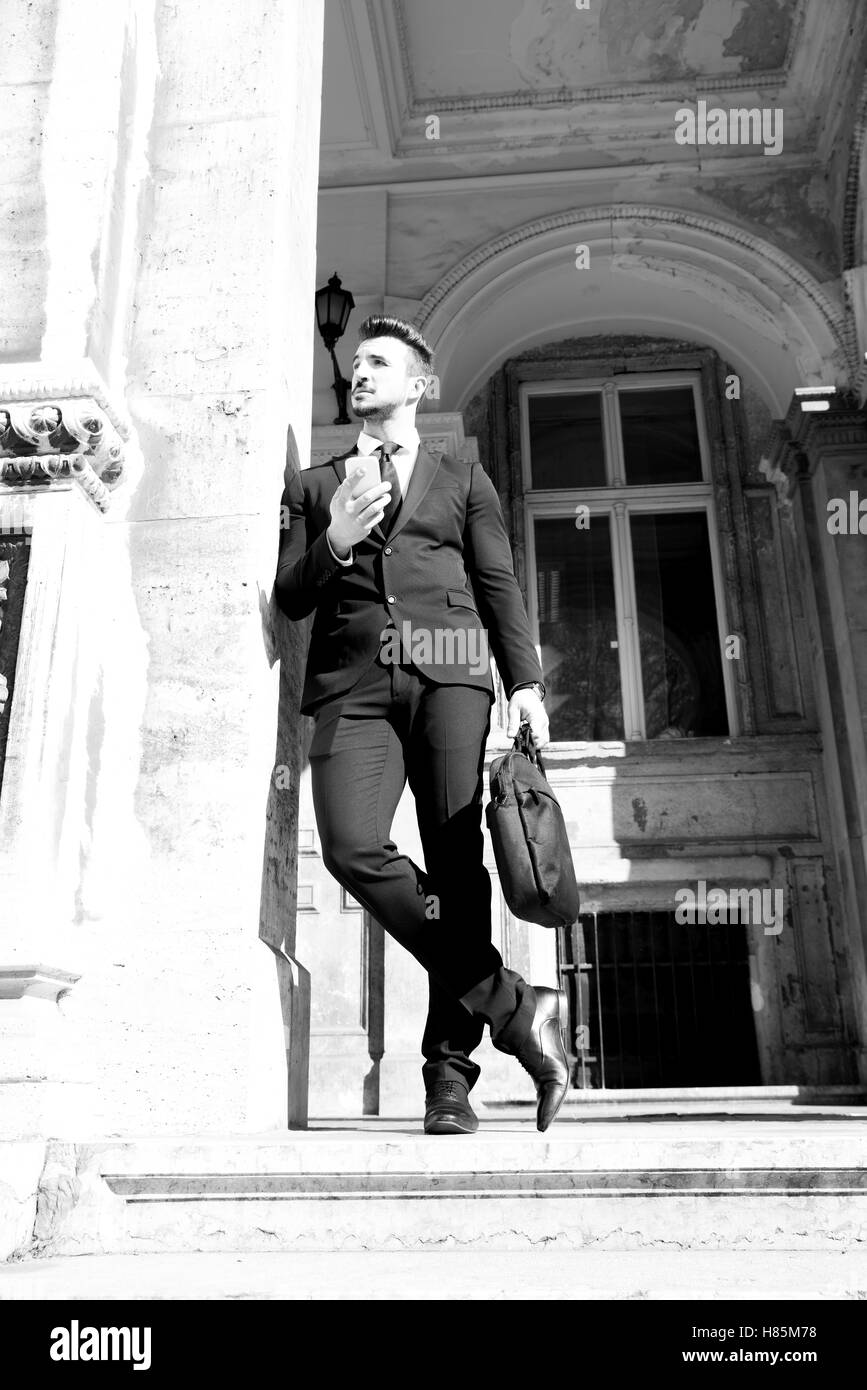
(61, 423)
(797, 443)
(842, 425)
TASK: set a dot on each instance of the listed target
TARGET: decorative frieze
(842, 428)
(808, 432)
(58, 427)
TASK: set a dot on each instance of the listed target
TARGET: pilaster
(818, 463)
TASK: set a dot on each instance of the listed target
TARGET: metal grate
(656, 1003)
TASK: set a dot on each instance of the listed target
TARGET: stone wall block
(203, 323)
(205, 456)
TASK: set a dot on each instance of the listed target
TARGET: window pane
(660, 436)
(566, 448)
(681, 666)
(578, 629)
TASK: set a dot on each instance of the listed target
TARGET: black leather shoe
(448, 1109)
(543, 1052)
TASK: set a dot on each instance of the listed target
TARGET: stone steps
(793, 1182)
(458, 1275)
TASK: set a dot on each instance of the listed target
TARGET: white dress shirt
(403, 458)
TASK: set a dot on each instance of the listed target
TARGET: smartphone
(370, 464)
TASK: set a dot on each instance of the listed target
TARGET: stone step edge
(699, 1095)
(191, 1187)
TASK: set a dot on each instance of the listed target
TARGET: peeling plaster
(552, 45)
(762, 34)
(725, 296)
(794, 211)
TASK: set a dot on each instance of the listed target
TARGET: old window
(621, 545)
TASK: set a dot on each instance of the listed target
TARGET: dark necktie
(388, 474)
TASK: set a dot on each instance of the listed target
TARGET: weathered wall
(186, 275)
(218, 362)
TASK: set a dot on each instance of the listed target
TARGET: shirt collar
(409, 440)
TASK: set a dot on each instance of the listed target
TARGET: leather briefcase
(531, 846)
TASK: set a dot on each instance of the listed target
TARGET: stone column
(187, 282)
(819, 461)
(219, 361)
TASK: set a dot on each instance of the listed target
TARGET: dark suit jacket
(446, 564)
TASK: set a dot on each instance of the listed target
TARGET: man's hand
(354, 517)
(526, 705)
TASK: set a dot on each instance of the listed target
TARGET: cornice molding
(618, 214)
(50, 468)
(35, 981)
(796, 443)
(854, 191)
(843, 426)
(764, 84)
(59, 425)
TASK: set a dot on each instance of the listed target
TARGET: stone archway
(648, 269)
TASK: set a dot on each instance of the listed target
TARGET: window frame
(618, 500)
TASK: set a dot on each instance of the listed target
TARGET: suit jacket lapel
(423, 474)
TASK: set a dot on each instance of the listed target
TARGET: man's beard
(367, 409)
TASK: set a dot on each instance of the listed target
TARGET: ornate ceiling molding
(574, 127)
(620, 216)
(59, 426)
(855, 190)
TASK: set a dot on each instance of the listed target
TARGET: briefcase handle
(524, 744)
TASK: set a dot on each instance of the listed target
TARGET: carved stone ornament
(56, 426)
(795, 444)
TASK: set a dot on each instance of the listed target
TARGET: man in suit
(408, 578)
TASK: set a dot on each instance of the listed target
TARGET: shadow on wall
(286, 642)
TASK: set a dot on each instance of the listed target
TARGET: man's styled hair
(385, 326)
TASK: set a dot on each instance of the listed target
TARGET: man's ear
(422, 382)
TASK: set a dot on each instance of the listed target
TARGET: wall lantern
(333, 307)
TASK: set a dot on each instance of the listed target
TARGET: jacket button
(387, 550)
(389, 598)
